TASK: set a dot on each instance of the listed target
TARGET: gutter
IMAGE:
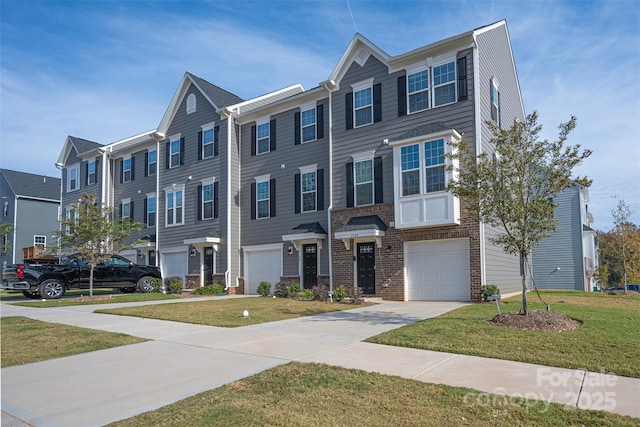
(330, 85)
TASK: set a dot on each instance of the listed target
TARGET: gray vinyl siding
(283, 164)
(495, 60)
(35, 217)
(232, 146)
(188, 126)
(5, 191)
(69, 197)
(558, 259)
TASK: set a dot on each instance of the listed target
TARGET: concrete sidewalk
(104, 386)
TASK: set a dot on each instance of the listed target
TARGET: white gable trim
(354, 53)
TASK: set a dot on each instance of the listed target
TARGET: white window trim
(305, 170)
(149, 151)
(203, 182)
(417, 68)
(191, 103)
(35, 243)
(76, 167)
(259, 123)
(126, 202)
(259, 180)
(436, 62)
(155, 213)
(358, 158)
(357, 87)
(305, 107)
(173, 190)
(95, 171)
(173, 138)
(495, 102)
(124, 160)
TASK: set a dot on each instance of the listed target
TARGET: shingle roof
(32, 185)
(310, 227)
(219, 96)
(83, 145)
(364, 223)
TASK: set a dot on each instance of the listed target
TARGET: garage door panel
(262, 266)
(438, 271)
(174, 264)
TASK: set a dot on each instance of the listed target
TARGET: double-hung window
(207, 200)
(73, 178)
(434, 165)
(263, 198)
(418, 90)
(174, 153)
(308, 124)
(495, 102)
(363, 106)
(444, 84)
(207, 142)
(152, 162)
(410, 159)
(39, 240)
(263, 140)
(126, 169)
(174, 206)
(363, 172)
(308, 189)
(91, 172)
(150, 214)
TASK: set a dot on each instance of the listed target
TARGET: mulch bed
(537, 320)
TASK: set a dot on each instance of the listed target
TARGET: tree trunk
(91, 282)
(524, 309)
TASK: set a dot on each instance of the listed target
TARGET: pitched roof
(83, 145)
(31, 185)
(367, 222)
(220, 97)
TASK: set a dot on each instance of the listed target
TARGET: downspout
(329, 86)
(158, 168)
(227, 274)
(103, 183)
(60, 166)
(15, 229)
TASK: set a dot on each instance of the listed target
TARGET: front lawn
(608, 340)
(27, 340)
(106, 296)
(228, 312)
(299, 394)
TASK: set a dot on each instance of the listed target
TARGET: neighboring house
(568, 258)
(344, 183)
(31, 204)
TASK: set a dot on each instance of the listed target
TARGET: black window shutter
(121, 170)
(377, 102)
(253, 141)
(86, 173)
(167, 154)
(320, 189)
(120, 209)
(146, 165)
(144, 212)
(296, 128)
(200, 145)
(402, 96)
(131, 210)
(182, 150)
(499, 111)
(377, 179)
(349, 172)
(320, 121)
(199, 203)
(253, 200)
(133, 168)
(348, 110)
(97, 168)
(296, 187)
(215, 200)
(216, 140)
(272, 197)
(462, 78)
(272, 135)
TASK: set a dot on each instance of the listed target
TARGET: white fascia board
(303, 236)
(201, 240)
(266, 247)
(452, 44)
(358, 41)
(354, 234)
(420, 138)
(66, 149)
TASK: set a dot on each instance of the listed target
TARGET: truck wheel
(31, 294)
(145, 285)
(51, 289)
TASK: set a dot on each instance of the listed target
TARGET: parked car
(51, 281)
(630, 287)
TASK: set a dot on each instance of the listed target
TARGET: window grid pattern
(207, 143)
(308, 124)
(262, 199)
(175, 153)
(363, 106)
(410, 158)
(174, 208)
(126, 170)
(444, 79)
(72, 179)
(151, 211)
(418, 88)
(126, 210)
(207, 201)
(434, 164)
(364, 182)
(40, 241)
(263, 138)
(308, 189)
(91, 173)
(152, 162)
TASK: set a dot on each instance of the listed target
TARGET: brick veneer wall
(390, 256)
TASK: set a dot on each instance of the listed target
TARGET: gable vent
(362, 56)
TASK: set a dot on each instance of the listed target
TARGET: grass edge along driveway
(608, 340)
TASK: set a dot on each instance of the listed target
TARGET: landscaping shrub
(157, 284)
(320, 292)
(264, 288)
(281, 290)
(355, 294)
(339, 293)
(294, 290)
(307, 294)
(173, 285)
(488, 290)
(209, 290)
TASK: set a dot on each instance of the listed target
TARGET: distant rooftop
(31, 185)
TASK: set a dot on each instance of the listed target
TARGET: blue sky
(104, 71)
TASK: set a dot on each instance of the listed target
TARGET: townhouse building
(341, 184)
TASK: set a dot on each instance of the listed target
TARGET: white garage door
(174, 264)
(262, 266)
(437, 270)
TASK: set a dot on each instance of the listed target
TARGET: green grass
(228, 312)
(312, 394)
(608, 340)
(115, 297)
(27, 340)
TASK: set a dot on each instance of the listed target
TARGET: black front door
(310, 266)
(366, 260)
(208, 266)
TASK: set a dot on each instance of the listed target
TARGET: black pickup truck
(51, 281)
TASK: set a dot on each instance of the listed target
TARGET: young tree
(5, 230)
(92, 232)
(513, 188)
(626, 243)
